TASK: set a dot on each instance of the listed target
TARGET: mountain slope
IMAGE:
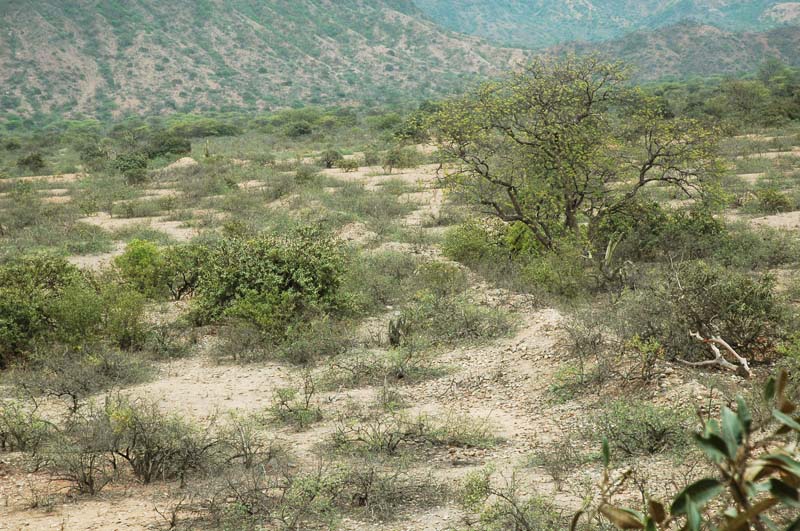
(540, 23)
(692, 49)
(115, 56)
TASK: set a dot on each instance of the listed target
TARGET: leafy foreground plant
(755, 487)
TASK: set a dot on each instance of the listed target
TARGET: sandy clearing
(785, 220)
(200, 388)
(751, 178)
(96, 262)
(772, 154)
(175, 229)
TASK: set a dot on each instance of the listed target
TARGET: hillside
(542, 23)
(693, 49)
(113, 57)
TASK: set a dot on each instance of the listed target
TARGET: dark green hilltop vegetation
(542, 23)
(115, 58)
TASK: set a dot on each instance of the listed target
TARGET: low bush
(399, 158)
(21, 428)
(442, 320)
(142, 265)
(164, 143)
(271, 281)
(158, 272)
(28, 287)
(306, 173)
(348, 165)
(156, 445)
(771, 201)
(132, 166)
(330, 158)
(708, 299)
(636, 428)
(393, 433)
(500, 508)
(32, 162)
(380, 279)
(297, 407)
(75, 375)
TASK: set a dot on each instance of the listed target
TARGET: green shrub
(132, 166)
(561, 273)
(501, 508)
(330, 158)
(156, 445)
(122, 320)
(142, 265)
(21, 429)
(377, 280)
(636, 428)
(311, 340)
(475, 242)
(33, 162)
(164, 143)
(305, 173)
(298, 129)
(182, 264)
(399, 158)
(297, 407)
(347, 165)
(157, 272)
(773, 201)
(28, 286)
(372, 158)
(271, 281)
(449, 319)
(709, 299)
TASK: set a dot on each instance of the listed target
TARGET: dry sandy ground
(506, 382)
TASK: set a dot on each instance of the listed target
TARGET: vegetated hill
(106, 57)
(692, 49)
(541, 23)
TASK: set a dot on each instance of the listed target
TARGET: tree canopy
(561, 144)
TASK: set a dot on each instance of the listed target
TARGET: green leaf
(701, 492)
(743, 412)
(731, 431)
(786, 420)
(606, 453)
(784, 492)
(714, 447)
(692, 515)
(769, 389)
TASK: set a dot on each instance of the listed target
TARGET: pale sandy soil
(175, 229)
(785, 220)
(506, 382)
(772, 154)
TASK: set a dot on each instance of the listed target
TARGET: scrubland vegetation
(556, 301)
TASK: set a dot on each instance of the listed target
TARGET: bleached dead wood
(719, 359)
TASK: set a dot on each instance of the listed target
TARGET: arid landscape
(519, 291)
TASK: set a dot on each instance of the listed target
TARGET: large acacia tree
(565, 142)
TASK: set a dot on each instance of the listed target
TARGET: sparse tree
(563, 143)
